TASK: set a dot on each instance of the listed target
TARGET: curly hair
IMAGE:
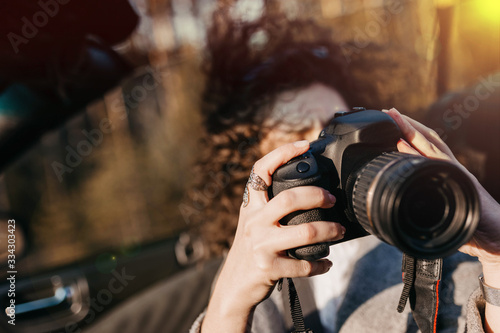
(247, 65)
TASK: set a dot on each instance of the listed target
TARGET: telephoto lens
(427, 208)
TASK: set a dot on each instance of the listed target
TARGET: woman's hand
(485, 243)
(257, 258)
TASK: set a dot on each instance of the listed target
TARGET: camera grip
(308, 252)
(302, 171)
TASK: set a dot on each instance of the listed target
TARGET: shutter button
(303, 167)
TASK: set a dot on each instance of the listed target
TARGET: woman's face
(300, 115)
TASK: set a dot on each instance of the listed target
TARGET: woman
(272, 82)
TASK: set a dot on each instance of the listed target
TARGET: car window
(112, 178)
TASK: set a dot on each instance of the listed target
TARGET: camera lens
(427, 208)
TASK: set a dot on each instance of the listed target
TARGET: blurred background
(423, 57)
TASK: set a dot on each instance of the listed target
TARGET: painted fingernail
(300, 144)
(332, 198)
(325, 264)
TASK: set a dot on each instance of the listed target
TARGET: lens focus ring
(427, 208)
(361, 190)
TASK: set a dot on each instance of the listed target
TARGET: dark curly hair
(247, 65)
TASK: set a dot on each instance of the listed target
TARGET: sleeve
(475, 312)
(266, 318)
(169, 305)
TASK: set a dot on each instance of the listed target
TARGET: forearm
(228, 310)
(491, 268)
(218, 320)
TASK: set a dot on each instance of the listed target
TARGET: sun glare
(488, 9)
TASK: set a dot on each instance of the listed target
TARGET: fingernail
(325, 264)
(301, 143)
(394, 109)
(343, 230)
(385, 110)
(332, 198)
(405, 143)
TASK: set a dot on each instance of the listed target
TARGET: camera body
(427, 208)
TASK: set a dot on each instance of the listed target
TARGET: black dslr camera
(427, 208)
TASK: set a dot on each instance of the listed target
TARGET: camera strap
(295, 308)
(421, 279)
